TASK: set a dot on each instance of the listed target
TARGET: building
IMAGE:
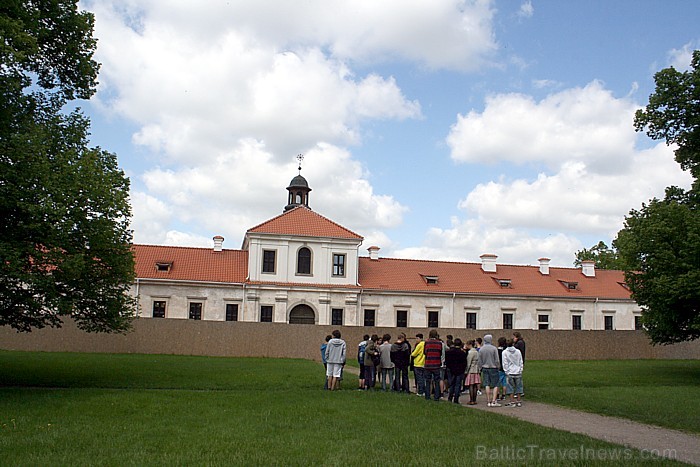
(302, 268)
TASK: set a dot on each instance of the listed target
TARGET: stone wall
(247, 339)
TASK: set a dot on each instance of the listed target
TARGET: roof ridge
(184, 247)
(310, 211)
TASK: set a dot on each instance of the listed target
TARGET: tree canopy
(604, 256)
(65, 242)
(660, 243)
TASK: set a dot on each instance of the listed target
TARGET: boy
(513, 367)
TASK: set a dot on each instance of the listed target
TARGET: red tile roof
(303, 221)
(409, 276)
(192, 264)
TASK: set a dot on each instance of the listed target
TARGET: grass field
(87, 409)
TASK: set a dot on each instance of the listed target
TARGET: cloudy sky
(437, 129)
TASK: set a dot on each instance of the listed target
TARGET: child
(473, 376)
(513, 366)
(501, 374)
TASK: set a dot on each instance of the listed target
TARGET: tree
(660, 243)
(65, 243)
(604, 256)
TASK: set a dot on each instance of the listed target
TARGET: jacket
(418, 355)
(434, 354)
(335, 351)
(473, 361)
(401, 354)
(488, 355)
(456, 360)
(513, 361)
(370, 351)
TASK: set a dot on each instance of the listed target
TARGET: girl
(473, 379)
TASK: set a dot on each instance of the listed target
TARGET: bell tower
(298, 190)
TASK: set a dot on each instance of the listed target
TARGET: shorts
(334, 369)
(490, 377)
(502, 378)
(515, 384)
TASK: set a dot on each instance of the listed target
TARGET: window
(431, 280)
(471, 320)
(337, 316)
(542, 321)
(570, 285)
(196, 310)
(505, 283)
(268, 265)
(163, 266)
(608, 322)
(369, 317)
(576, 322)
(266, 314)
(433, 319)
(338, 264)
(159, 309)
(638, 323)
(304, 261)
(401, 318)
(231, 312)
(507, 320)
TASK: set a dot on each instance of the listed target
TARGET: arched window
(304, 261)
(298, 200)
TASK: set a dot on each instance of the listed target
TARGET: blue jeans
(432, 383)
(390, 373)
(419, 371)
(401, 379)
(456, 383)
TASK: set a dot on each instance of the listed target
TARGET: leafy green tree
(604, 256)
(660, 243)
(65, 242)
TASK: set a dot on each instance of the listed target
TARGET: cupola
(298, 190)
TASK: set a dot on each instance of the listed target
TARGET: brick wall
(246, 339)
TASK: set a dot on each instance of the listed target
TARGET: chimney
(488, 262)
(544, 266)
(218, 243)
(588, 268)
(373, 253)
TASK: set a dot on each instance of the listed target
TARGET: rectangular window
(268, 265)
(337, 317)
(507, 320)
(232, 312)
(576, 322)
(266, 314)
(471, 320)
(401, 318)
(196, 310)
(433, 319)
(159, 309)
(638, 323)
(369, 317)
(608, 322)
(542, 321)
(338, 264)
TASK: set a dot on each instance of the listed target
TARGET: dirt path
(650, 439)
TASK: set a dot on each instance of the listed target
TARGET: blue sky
(438, 129)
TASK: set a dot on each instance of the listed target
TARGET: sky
(436, 129)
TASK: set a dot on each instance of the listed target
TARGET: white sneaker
(478, 393)
(488, 404)
(495, 404)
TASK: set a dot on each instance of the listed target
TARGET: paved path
(674, 444)
(652, 439)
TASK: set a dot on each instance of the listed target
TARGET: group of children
(463, 368)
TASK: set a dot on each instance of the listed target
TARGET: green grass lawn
(658, 392)
(104, 409)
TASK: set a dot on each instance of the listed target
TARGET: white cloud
(680, 58)
(526, 10)
(581, 124)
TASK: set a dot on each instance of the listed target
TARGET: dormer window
(431, 280)
(163, 266)
(570, 285)
(504, 283)
(624, 284)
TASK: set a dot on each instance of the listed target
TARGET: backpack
(361, 353)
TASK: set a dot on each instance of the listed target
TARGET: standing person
(519, 343)
(401, 356)
(323, 359)
(477, 346)
(361, 361)
(335, 358)
(473, 371)
(434, 352)
(371, 355)
(456, 363)
(488, 361)
(387, 364)
(513, 365)
(501, 374)
(418, 365)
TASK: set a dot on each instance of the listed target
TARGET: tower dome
(298, 192)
